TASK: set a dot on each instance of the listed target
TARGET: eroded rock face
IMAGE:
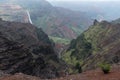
(26, 49)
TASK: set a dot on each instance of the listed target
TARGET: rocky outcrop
(27, 49)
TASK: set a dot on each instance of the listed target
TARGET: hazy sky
(81, 0)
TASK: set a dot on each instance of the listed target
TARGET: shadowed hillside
(27, 49)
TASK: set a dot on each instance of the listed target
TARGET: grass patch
(60, 40)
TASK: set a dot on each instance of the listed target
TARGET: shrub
(78, 67)
(105, 68)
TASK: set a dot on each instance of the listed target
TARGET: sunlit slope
(100, 43)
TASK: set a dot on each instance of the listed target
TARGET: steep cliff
(27, 49)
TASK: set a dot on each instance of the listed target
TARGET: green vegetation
(93, 36)
(92, 46)
(77, 52)
(105, 67)
(67, 58)
(82, 48)
(73, 62)
(77, 30)
(78, 67)
(60, 40)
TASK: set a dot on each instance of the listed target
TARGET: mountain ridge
(55, 21)
(98, 44)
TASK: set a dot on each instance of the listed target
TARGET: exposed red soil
(89, 75)
(95, 75)
(19, 76)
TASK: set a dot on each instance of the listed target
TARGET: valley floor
(89, 75)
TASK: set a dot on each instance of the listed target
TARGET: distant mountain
(11, 12)
(90, 8)
(100, 43)
(117, 21)
(27, 49)
(58, 23)
(100, 10)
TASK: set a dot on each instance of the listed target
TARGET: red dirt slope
(89, 75)
(95, 75)
(19, 76)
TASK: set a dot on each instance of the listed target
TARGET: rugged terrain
(100, 43)
(27, 49)
(58, 23)
(55, 21)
